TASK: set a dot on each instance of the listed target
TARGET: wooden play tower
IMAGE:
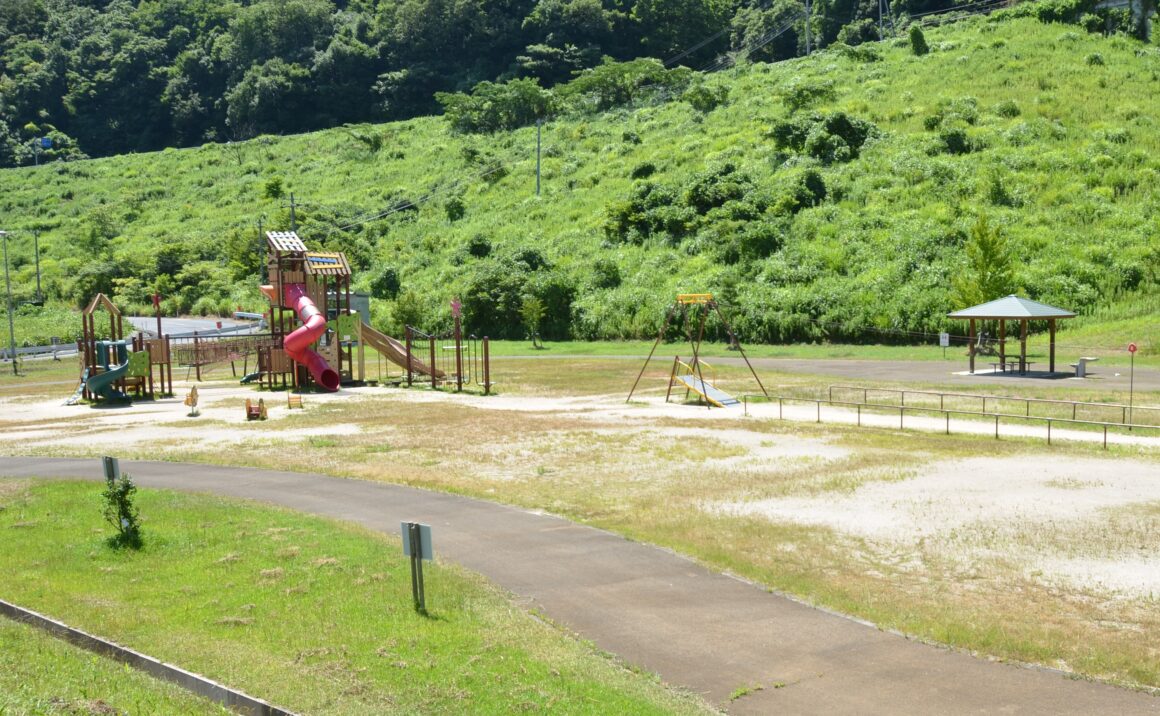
(307, 290)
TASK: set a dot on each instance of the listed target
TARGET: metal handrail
(984, 398)
(781, 399)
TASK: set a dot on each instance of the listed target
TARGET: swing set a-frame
(696, 307)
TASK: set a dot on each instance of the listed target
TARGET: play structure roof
(285, 241)
(320, 263)
(1012, 307)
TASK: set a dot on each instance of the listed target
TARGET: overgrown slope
(762, 199)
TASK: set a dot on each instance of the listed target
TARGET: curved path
(708, 632)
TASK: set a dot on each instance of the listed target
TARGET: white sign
(944, 340)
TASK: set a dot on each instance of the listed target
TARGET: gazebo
(1012, 308)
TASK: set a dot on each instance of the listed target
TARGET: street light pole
(8, 291)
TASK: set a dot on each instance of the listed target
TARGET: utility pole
(36, 251)
(538, 122)
(8, 291)
(293, 219)
(809, 12)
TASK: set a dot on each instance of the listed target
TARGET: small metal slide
(708, 391)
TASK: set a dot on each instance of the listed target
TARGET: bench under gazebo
(1012, 308)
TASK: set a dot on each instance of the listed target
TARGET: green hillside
(828, 197)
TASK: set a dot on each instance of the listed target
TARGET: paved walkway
(695, 628)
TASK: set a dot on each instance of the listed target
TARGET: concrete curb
(230, 698)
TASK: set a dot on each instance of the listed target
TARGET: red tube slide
(297, 344)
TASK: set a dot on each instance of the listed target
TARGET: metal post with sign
(944, 340)
(112, 469)
(417, 546)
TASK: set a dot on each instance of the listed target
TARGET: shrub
(1007, 108)
(955, 141)
(800, 94)
(1095, 59)
(479, 246)
(918, 41)
(120, 512)
(455, 208)
(705, 99)
(643, 171)
(605, 273)
(857, 32)
(832, 138)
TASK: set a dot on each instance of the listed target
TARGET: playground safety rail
(947, 413)
(1075, 404)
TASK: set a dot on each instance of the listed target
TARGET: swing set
(696, 307)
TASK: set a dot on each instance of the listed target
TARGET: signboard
(423, 550)
(112, 468)
(46, 142)
(944, 340)
(1131, 347)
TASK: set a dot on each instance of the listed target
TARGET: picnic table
(1011, 366)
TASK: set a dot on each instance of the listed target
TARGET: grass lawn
(307, 613)
(40, 674)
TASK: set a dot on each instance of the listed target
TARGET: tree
(753, 26)
(989, 271)
(532, 313)
(669, 27)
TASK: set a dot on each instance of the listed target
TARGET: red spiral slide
(297, 344)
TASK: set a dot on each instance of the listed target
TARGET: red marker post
(1131, 379)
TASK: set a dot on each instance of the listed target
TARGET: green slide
(102, 383)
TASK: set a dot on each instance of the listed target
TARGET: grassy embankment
(310, 614)
(1058, 148)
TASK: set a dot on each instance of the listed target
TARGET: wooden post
(1003, 341)
(196, 357)
(1051, 350)
(1023, 345)
(971, 343)
(431, 343)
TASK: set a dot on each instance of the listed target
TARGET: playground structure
(317, 337)
(111, 369)
(305, 287)
(691, 375)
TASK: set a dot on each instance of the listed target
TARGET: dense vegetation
(100, 77)
(841, 195)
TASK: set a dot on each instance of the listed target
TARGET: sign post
(944, 340)
(1131, 380)
(417, 546)
(112, 469)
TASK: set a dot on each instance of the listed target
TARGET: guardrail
(1075, 404)
(947, 413)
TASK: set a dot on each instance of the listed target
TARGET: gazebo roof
(1012, 307)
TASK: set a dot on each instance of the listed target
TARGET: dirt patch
(1059, 520)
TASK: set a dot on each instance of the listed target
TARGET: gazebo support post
(1023, 345)
(971, 343)
(1003, 343)
(1051, 350)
